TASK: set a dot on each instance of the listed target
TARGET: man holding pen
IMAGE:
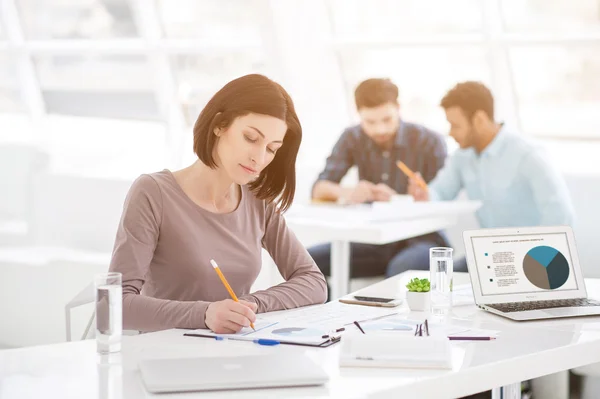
(516, 182)
(374, 146)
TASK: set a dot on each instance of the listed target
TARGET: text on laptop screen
(524, 263)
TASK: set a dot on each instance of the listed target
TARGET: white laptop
(240, 372)
(527, 273)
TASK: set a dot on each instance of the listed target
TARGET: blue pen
(261, 341)
(266, 342)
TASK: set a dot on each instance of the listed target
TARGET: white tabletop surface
(336, 223)
(522, 351)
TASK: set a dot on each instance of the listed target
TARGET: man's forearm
(327, 191)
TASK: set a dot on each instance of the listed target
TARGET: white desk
(522, 351)
(343, 225)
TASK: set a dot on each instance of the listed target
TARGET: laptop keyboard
(537, 305)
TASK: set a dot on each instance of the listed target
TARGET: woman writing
(226, 206)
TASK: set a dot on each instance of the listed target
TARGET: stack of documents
(392, 350)
(391, 342)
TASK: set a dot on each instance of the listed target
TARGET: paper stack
(392, 350)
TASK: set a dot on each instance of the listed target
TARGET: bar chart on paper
(546, 267)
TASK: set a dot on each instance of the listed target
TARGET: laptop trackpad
(564, 312)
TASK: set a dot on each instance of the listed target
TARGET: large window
(558, 89)
(423, 46)
(238, 20)
(553, 53)
(87, 77)
(76, 19)
(551, 16)
(10, 97)
(117, 84)
(397, 19)
(110, 86)
(199, 76)
(539, 56)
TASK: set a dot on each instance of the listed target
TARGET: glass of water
(440, 267)
(109, 312)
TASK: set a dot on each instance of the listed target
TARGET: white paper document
(382, 212)
(401, 326)
(462, 295)
(391, 342)
(392, 350)
(310, 325)
(273, 330)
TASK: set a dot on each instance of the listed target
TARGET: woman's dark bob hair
(255, 94)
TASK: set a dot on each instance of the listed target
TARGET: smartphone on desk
(372, 301)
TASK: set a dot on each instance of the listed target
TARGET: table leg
(340, 268)
(511, 391)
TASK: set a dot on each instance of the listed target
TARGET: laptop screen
(524, 263)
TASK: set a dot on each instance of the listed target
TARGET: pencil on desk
(359, 327)
(406, 170)
(455, 338)
(226, 284)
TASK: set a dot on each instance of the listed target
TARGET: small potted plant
(418, 295)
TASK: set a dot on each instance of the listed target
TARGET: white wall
(585, 192)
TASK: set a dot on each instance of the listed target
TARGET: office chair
(83, 297)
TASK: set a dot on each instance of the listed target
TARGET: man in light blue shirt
(517, 184)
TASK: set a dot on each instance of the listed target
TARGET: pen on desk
(406, 170)
(260, 341)
(375, 318)
(359, 327)
(454, 338)
(226, 284)
(266, 342)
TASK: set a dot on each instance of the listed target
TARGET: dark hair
(375, 92)
(260, 95)
(470, 97)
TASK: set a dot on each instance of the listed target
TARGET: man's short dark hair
(375, 92)
(470, 97)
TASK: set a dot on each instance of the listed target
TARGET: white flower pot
(418, 301)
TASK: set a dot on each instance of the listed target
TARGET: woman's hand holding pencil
(230, 315)
(416, 184)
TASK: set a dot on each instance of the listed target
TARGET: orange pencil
(411, 174)
(226, 284)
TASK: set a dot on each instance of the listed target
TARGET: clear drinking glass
(110, 376)
(109, 312)
(440, 267)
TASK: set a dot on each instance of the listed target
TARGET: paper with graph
(309, 325)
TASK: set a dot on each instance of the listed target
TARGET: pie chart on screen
(546, 267)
